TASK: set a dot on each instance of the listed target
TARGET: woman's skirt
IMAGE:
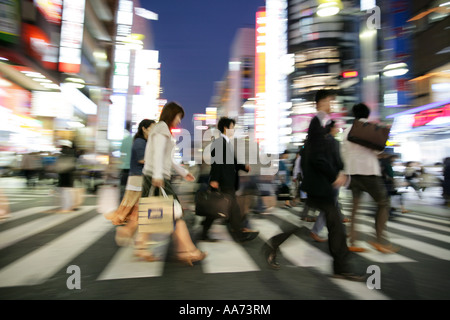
(129, 207)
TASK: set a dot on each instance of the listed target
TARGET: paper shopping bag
(156, 214)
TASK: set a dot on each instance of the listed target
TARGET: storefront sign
(427, 116)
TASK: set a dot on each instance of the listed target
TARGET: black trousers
(235, 219)
(337, 242)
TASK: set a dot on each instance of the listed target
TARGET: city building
(54, 62)
(325, 45)
(422, 131)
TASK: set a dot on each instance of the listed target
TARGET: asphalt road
(73, 256)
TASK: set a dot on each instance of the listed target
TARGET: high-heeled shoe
(189, 257)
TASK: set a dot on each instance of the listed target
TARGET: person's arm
(182, 171)
(215, 173)
(139, 148)
(159, 142)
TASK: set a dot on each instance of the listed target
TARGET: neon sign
(424, 117)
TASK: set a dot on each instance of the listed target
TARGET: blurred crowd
(91, 171)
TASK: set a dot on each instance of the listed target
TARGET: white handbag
(177, 210)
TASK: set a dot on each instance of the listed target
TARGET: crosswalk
(35, 196)
(423, 236)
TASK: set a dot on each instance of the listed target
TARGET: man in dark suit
(224, 176)
(320, 178)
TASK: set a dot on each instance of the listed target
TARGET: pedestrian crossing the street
(424, 237)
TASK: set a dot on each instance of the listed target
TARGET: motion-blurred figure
(65, 167)
(125, 158)
(157, 173)
(387, 172)
(284, 178)
(320, 182)
(31, 164)
(412, 177)
(224, 176)
(4, 206)
(362, 164)
(446, 183)
(332, 129)
(128, 211)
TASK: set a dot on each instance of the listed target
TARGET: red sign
(38, 45)
(350, 74)
(426, 116)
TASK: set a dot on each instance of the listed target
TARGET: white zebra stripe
(409, 229)
(225, 256)
(371, 255)
(301, 253)
(13, 235)
(415, 245)
(29, 211)
(41, 264)
(125, 265)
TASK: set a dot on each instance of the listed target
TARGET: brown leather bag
(369, 134)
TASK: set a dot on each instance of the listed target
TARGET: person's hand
(189, 177)
(247, 168)
(340, 180)
(214, 184)
(158, 183)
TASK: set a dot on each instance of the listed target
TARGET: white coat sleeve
(159, 142)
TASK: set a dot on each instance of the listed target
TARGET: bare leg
(141, 248)
(186, 250)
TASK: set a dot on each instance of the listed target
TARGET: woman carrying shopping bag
(127, 213)
(157, 174)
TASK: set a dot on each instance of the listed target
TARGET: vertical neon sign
(260, 74)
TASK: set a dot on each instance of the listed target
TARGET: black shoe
(208, 239)
(350, 276)
(247, 236)
(271, 259)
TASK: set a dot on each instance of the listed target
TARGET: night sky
(194, 39)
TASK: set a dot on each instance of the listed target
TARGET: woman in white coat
(158, 163)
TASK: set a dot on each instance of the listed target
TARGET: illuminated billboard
(50, 9)
(10, 21)
(260, 74)
(71, 36)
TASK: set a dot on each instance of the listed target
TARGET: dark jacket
(224, 166)
(319, 162)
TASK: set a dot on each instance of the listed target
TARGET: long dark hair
(143, 124)
(169, 112)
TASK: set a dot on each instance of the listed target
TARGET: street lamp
(328, 8)
(395, 69)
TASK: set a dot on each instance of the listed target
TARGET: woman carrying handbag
(157, 173)
(126, 216)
